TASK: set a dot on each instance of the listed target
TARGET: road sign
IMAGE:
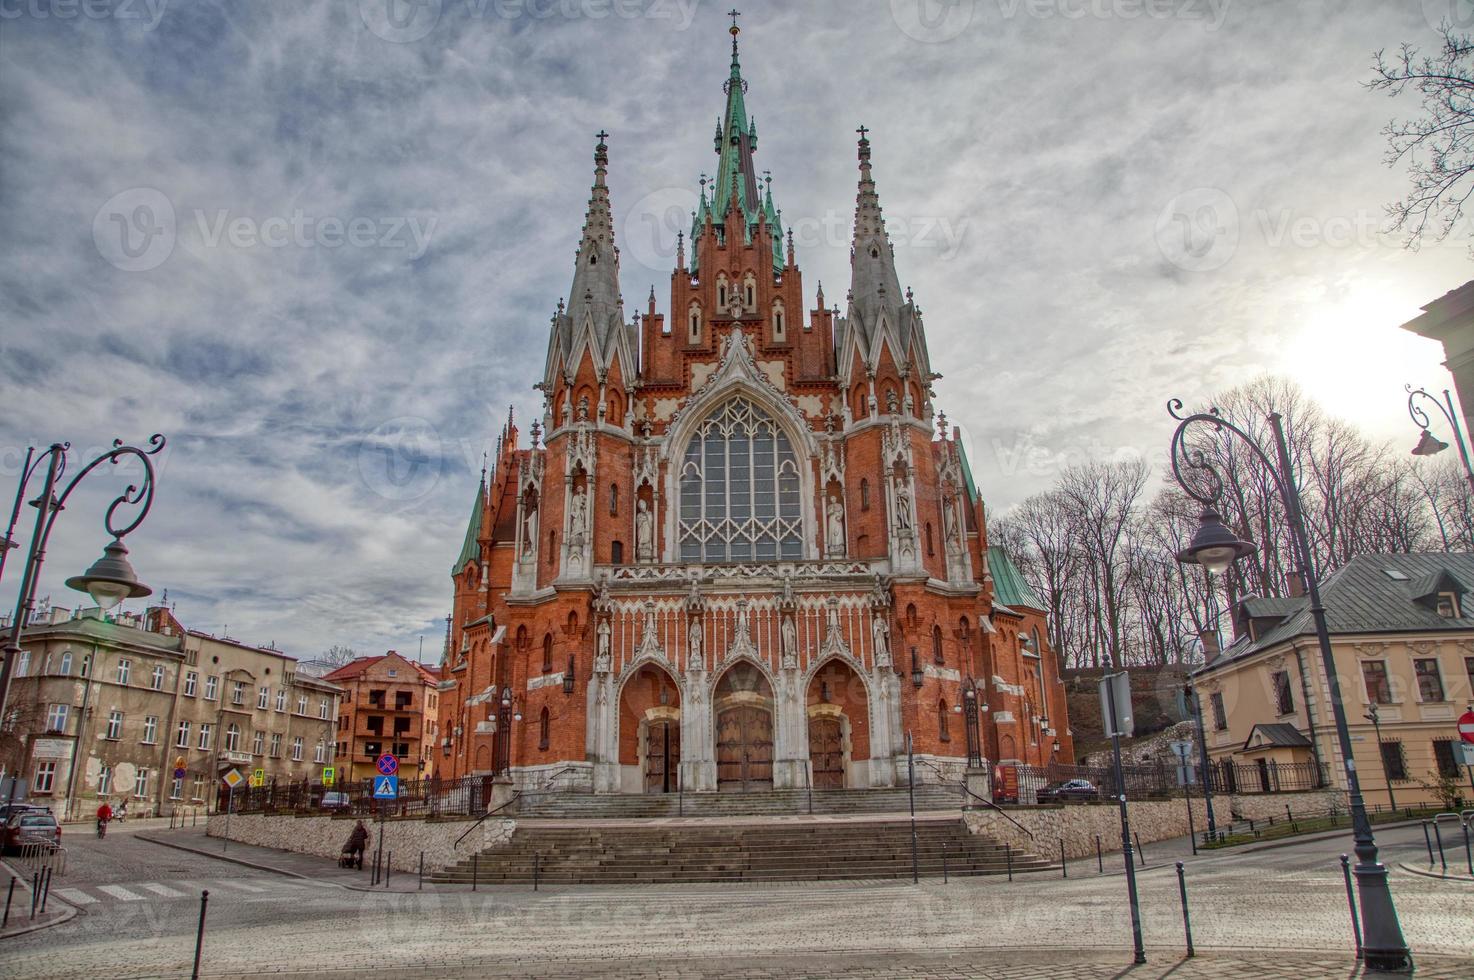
(386, 787)
(258, 778)
(179, 773)
(1468, 754)
(234, 778)
(328, 775)
(387, 765)
(1466, 727)
(1115, 704)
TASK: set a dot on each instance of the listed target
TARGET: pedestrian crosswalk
(84, 896)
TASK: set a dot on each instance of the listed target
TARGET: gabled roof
(1009, 587)
(356, 667)
(1369, 594)
(1278, 735)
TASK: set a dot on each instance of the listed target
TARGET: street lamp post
(1215, 548)
(1376, 721)
(1191, 690)
(1428, 444)
(111, 578)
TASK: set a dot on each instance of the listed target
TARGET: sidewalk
(19, 896)
(270, 859)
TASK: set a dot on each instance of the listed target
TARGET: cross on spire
(602, 135)
(862, 131)
(734, 13)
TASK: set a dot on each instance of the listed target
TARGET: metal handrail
(548, 783)
(516, 795)
(983, 800)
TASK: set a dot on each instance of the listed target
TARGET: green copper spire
(471, 546)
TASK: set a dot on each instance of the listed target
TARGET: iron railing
(464, 797)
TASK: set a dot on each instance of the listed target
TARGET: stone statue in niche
(834, 536)
(892, 404)
(601, 660)
(790, 642)
(644, 532)
(583, 408)
(694, 658)
(529, 534)
(880, 631)
(578, 513)
(903, 507)
(949, 519)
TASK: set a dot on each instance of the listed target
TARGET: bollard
(35, 891)
(1428, 841)
(1468, 854)
(536, 867)
(1187, 925)
(199, 939)
(1008, 853)
(1099, 862)
(1064, 867)
(1140, 854)
(1438, 837)
(388, 867)
(422, 872)
(45, 889)
(475, 864)
(944, 862)
(1351, 901)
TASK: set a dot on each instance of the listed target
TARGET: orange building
(749, 553)
(389, 704)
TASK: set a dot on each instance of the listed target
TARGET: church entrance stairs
(790, 802)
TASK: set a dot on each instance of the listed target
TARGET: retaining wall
(1079, 824)
(404, 839)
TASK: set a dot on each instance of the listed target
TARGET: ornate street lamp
(1429, 444)
(1376, 721)
(918, 676)
(111, 578)
(1215, 548)
(568, 677)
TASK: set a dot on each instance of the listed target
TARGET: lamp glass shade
(1214, 546)
(111, 578)
(1429, 445)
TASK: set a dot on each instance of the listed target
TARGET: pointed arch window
(864, 494)
(694, 324)
(547, 653)
(936, 645)
(739, 489)
(779, 327)
(544, 728)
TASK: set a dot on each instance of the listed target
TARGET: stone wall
(1078, 825)
(404, 839)
(1262, 806)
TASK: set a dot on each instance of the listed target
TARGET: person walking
(357, 843)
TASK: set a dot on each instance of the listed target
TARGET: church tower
(742, 551)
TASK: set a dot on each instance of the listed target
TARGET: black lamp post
(111, 578)
(1429, 444)
(1376, 721)
(918, 676)
(1215, 548)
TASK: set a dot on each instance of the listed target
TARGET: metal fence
(1266, 777)
(467, 796)
(1041, 784)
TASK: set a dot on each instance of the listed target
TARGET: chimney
(1209, 639)
(1295, 582)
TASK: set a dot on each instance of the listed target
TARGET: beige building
(111, 707)
(1402, 630)
(1449, 319)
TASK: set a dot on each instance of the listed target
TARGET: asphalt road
(139, 906)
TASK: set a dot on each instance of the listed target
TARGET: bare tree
(338, 655)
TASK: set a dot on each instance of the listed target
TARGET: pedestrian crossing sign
(258, 778)
(328, 774)
(386, 787)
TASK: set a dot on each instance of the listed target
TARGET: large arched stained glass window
(739, 489)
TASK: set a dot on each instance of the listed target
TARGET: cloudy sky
(317, 244)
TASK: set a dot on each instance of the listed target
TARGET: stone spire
(874, 285)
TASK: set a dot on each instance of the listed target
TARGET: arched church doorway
(743, 705)
(839, 727)
(650, 731)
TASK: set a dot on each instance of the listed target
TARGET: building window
(739, 489)
(23, 663)
(276, 745)
(56, 717)
(324, 709)
(181, 738)
(297, 749)
(1220, 717)
(936, 645)
(124, 669)
(232, 738)
(44, 777)
(864, 494)
(105, 781)
(1379, 689)
(1394, 763)
(942, 722)
(281, 699)
(547, 652)
(66, 664)
(301, 704)
(616, 553)
(929, 549)
(156, 681)
(1444, 759)
(1469, 669)
(258, 742)
(140, 783)
(190, 680)
(779, 334)
(205, 730)
(1284, 702)
(237, 692)
(318, 751)
(150, 730)
(693, 322)
(1430, 682)
(614, 499)
(543, 728)
(263, 698)
(1448, 605)
(212, 687)
(114, 726)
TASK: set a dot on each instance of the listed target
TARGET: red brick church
(740, 549)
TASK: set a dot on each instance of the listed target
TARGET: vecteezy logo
(653, 225)
(1458, 14)
(400, 459)
(1198, 230)
(400, 21)
(135, 229)
(932, 21)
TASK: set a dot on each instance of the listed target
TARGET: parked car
(334, 801)
(30, 825)
(1069, 791)
(8, 810)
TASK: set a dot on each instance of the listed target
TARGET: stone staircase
(783, 802)
(764, 849)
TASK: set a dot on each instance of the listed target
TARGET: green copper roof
(972, 488)
(1009, 587)
(470, 548)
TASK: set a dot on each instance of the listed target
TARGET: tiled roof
(1279, 734)
(1009, 587)
(357, 666)
(1361, 597)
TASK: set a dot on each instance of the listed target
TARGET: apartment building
(390, 705)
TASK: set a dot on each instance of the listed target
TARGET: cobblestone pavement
(1273, 913)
